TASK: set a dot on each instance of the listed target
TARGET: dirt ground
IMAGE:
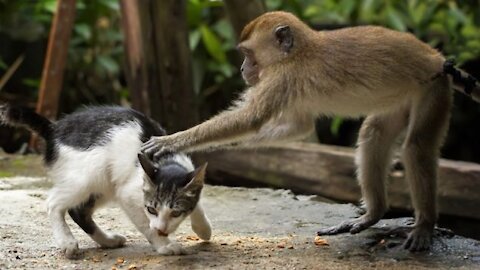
(252, 229)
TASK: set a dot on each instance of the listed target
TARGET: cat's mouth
(161, 233)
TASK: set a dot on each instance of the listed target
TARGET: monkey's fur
(297, 74)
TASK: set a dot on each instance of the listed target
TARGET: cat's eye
(152, 210)
(175, 213)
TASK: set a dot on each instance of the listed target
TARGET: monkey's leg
(427, 128)
(377, 135)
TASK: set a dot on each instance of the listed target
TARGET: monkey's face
(264, 43)
(250, 69)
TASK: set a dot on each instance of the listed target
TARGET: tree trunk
(53, 68)
(174, 63)
(139, 52)
(56, 58)
(241, 12)
(159, 62)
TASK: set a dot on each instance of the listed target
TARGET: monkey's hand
(157, 147)
(353, 226)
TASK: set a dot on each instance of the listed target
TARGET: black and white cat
(92, 158)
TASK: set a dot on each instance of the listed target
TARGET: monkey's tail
(462, 81)
(19, 116)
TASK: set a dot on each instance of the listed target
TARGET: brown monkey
(296, 74)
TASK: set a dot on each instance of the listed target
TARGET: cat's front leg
(200, 223)
(130, 198)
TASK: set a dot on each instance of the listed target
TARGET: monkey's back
(368, 65)
(384, 53)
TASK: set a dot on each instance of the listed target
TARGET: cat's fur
(91, 156)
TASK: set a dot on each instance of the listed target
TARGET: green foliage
(25, 20)
(3, 65)
(95, 49)
(212, 42)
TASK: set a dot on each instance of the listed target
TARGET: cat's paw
(204, 231)
(114, 241)
(171, 249)
(71, 250)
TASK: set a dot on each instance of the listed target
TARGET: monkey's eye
(175, 213)
(152, 210)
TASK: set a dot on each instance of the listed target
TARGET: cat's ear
(147, 165)
(197, 178)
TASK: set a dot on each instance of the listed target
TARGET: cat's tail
(20, 116)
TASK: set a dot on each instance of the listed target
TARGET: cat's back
(98, 143)
(94, 126)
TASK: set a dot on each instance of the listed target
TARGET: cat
(92, 156)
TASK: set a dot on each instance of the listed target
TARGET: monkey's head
(267, 40)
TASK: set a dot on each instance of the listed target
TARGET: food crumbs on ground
(382, 242)
(320, 241)
(120, 260)
(192, 238)
(96, 259)
(290, 247)
(281, 245)
(132, 267)
(114, 268)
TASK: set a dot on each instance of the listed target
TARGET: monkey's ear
(284, 36)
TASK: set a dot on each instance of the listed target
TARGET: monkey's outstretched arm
(224, 129)
(238, 124)
(272, 132)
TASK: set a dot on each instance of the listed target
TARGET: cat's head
(171, 191)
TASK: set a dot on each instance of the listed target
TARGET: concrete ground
(252, 229)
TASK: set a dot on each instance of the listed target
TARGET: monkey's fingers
(150, 147)
(340, 228)
(163, 152)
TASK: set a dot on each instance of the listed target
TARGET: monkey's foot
(417, 238)
(353, 226)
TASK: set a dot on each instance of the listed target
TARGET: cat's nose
(162, 233)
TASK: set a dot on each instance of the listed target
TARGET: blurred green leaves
(212, 42)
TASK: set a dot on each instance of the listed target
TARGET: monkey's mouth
(161, 233)
(251, 79)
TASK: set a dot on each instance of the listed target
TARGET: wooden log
(329, 171)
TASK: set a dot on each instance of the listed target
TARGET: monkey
(295, 74)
